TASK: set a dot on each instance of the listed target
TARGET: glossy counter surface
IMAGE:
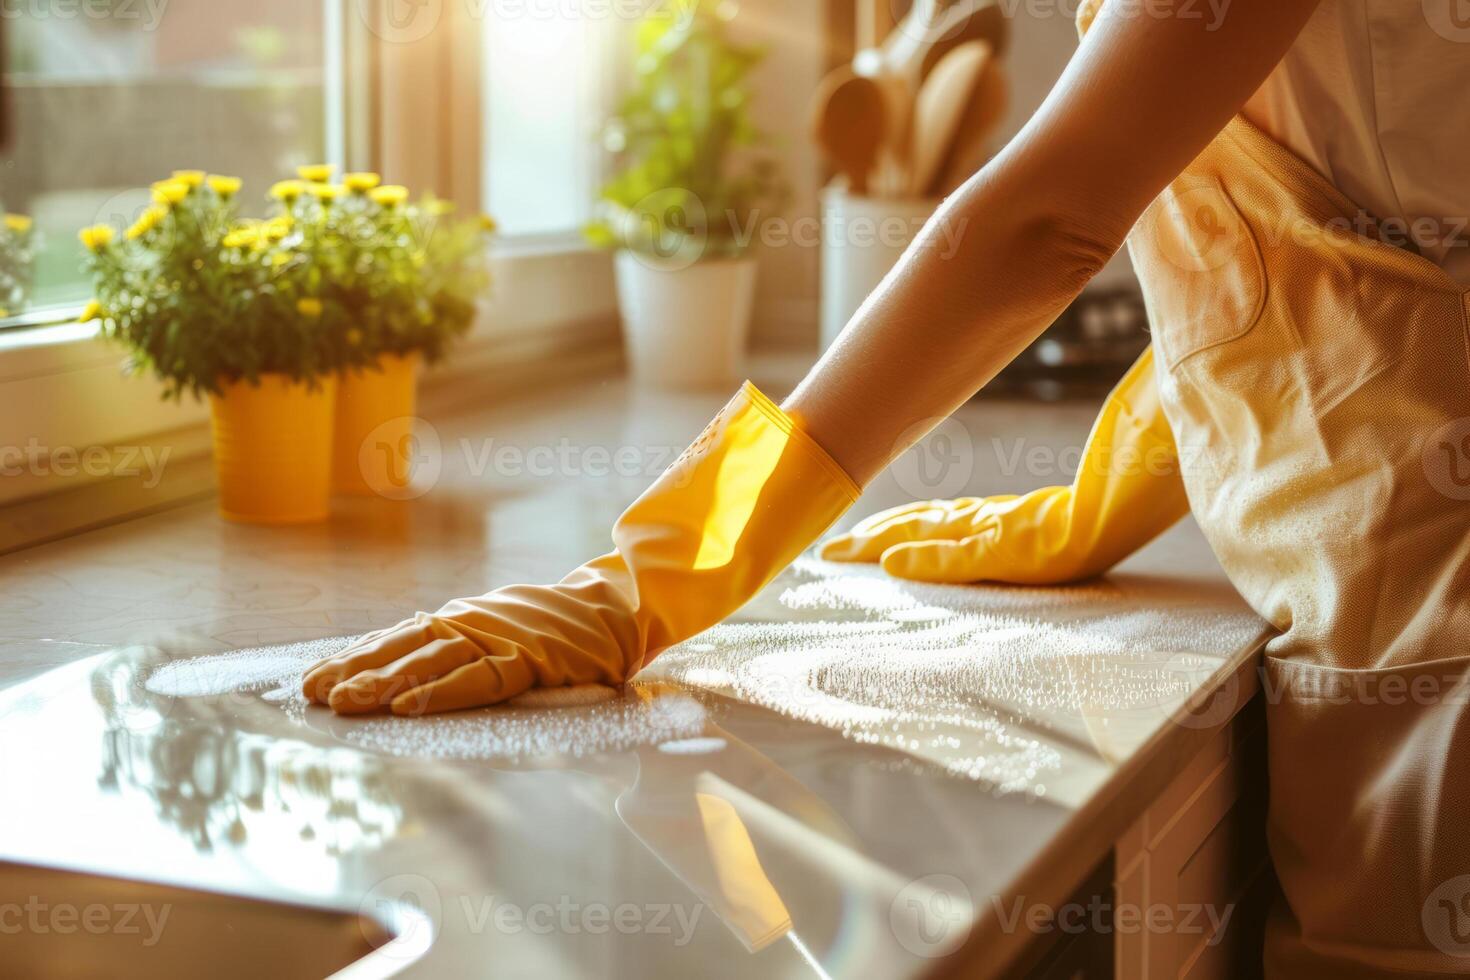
(849, 779)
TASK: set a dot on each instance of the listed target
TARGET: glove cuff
(738, 506)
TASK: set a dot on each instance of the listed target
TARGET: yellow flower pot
(373, 445)
(273, 449)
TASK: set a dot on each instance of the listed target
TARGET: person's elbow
(1030, 258)
(1073, 247)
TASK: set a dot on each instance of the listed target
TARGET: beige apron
(1317, 381)
(1318, 385)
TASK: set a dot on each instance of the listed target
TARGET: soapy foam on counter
(277, 672)
(268, 669)
(969, 678)
(568, 721)
(522, 733)
(993, 683)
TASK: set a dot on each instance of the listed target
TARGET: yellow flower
(189, 178)
(18, 223)
(278, 227)
(97, 237)
(361, 183)
(147, 221)
(389, 195)
(326, 193)
(170, 191)
(242, 236)
(224, 186)
(488, 224)
(287, 190)
(309, 306)
(440, 206)
(92, 311)
(316, 173)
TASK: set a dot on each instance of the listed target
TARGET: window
(109, 95)
(547, 65)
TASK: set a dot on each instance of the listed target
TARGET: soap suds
(973, 679)
(243, 671)
(570, 721)
(520, 734)
(997, 684)
(277, 670)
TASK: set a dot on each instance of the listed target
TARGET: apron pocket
(1215, 286)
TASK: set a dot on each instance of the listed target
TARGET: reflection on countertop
(775, 795)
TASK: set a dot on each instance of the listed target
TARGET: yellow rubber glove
(1127, 492)
(737, 507)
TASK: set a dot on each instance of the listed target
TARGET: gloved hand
(1127, 492)
(737, 507)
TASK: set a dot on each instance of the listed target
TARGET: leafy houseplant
(404, 279)
(262, 315)
(204, 300)
(229, 309)
(401, 277)
(692, 178)
(684, 203)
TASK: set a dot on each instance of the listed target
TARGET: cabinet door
(1193, 877)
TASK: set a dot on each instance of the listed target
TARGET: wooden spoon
(850, 124)
(898, 110)
(971, 147)
(941, 106)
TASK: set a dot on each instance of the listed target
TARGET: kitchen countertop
(851, 778)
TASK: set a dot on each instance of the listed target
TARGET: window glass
(545, 68)
(107, 96)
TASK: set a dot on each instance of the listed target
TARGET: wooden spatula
(941, 106)
(849, 123)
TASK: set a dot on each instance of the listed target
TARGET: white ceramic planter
(685, 327)
(862, 239)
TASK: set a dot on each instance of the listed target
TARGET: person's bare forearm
(985, 277)
(1010, 250)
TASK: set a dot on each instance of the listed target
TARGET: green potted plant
(404, 279)
(17, 262)
(231, 310)
(683, 205)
